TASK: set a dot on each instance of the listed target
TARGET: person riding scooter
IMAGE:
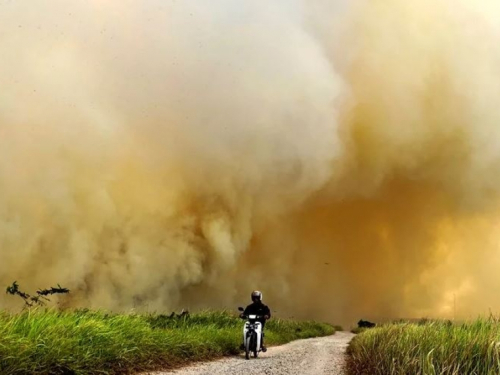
(258, 308)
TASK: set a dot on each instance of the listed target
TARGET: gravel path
(320, 356)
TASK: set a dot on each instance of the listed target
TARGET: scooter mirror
(241, 309)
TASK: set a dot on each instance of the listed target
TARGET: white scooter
(252, 334)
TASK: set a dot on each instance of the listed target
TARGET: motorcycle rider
(258, 308)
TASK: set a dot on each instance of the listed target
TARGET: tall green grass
(93, 342)
(432, 348)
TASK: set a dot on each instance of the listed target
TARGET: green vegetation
(430, 348)
(92, 342)
(358, 330)
(338, 328)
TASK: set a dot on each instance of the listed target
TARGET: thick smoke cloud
(342, 156)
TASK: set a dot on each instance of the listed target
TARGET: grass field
(90, 342)
(432, 348)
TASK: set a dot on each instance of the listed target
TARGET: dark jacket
(257, 308)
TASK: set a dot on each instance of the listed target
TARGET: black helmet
(256, 295)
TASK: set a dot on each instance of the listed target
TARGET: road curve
(319, 356)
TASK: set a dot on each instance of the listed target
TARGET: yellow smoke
(342, 156)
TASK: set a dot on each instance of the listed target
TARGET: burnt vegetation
(40, 298)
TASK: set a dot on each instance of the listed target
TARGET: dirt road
(321, 356)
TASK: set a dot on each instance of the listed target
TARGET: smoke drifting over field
(342, 156)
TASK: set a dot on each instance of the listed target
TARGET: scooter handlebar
(253, 317)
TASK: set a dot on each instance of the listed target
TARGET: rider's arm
(247, 311)
(268, 312)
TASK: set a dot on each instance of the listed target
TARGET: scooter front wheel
(255, 350)
(247, 347)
